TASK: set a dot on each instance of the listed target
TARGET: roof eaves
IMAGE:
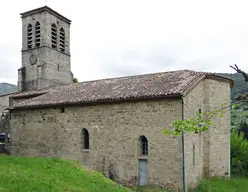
(102, 101)
(42, 9)
(20, 96)
(220, 78)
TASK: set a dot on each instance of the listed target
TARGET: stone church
(113, 125)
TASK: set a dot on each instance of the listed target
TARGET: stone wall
(217, 139)
(208, 154)
(4, 102)
(113, 129)
(193, 147)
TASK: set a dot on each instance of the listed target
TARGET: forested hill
(7, 88)
(240, 86)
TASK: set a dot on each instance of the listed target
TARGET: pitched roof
(155, 85)
(47, 9)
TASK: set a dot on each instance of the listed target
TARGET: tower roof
(47, 9)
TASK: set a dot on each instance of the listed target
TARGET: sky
(113, 38)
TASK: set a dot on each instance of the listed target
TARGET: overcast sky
(111, 38)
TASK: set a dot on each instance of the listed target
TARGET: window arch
(37, 34)
(62, 39)
(29, 36)
(85, 139)
(54, 35)
(143, 142)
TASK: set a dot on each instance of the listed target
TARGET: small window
(37, 34)
(193, 154)
(54, 35)
(58, 67)
(62, 110)
(200, 114)
(143, 146)
(29, 36)
(62, 39)
(85, 139)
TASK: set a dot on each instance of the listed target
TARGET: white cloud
(127, 37)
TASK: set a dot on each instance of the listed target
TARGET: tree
(243, 127)
(75, 80)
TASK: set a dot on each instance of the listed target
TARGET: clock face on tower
(32, 59)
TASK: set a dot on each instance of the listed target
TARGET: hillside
(7, 88)
(51, 174)
(240, 86)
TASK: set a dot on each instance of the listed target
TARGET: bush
(239, 154)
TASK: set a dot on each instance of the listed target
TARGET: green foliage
(75, 80)
(239, 154)
(196, 124)
(149, 189)
(240, 86)
(239, 115)
(243, 127)
(51, 174)
(235, 184)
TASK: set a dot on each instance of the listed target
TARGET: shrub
(239, 154)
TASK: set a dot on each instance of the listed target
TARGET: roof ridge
(123, 77)
(139, 75)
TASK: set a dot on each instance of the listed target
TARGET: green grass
(148, 189)
(235, 184)
(22, 174)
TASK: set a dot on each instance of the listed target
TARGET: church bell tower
(45, 50)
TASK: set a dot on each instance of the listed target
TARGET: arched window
(54, 35)
(37, 34)
(143, 146)
(85, 139)
(62, 39)
(29, 36)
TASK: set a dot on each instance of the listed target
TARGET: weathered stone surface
(114, 130)
(212, 148)
(52, 66)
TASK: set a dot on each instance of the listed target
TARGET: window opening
(54, 36)
(193, 154)
(29, 35)
(85, 135)
(37, 34)
(62, 40)
(143, 146)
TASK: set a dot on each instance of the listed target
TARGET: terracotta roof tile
(172, 83)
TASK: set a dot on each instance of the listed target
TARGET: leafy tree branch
(198, 123)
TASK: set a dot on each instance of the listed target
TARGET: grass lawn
(21, 174)
(235, 184)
